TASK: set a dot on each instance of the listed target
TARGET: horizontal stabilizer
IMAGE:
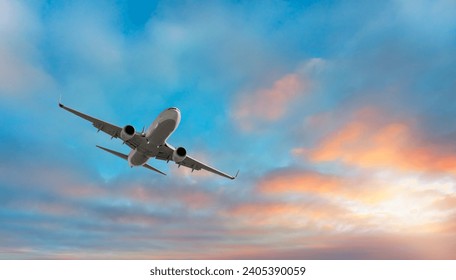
(125, 157)
(153, 168)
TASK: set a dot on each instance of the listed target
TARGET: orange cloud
(312, 215)
(270, 104)
(314, 183)
(366, 142)
(446, 203)
(358, 202)
(295, 181)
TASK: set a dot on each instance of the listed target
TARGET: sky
(340, 116)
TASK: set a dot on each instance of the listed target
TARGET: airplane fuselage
(155, 136)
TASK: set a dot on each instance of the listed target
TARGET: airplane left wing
(166, 153)
(112, 130)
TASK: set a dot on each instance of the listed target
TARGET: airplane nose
(174, 109)
(172, 113)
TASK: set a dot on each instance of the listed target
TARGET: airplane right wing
(166, 153)
(197, 165)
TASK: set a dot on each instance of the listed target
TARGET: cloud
(282, 218)
(299, 181)
(333, 222)
(355, 247)
(310, 183)
(95, 45)
(270, 103)
(446, 203)
(21, 71)
(436, 15)
(367, 141)
(138, 213)
(321, 176)
(370, 201)
(287, 215)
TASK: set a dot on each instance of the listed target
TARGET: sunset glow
(340, 116)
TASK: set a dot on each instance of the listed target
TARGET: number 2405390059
(269, 270)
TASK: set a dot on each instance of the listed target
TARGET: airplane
(150, 143)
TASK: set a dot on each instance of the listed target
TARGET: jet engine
(127, 132)
(179, 155)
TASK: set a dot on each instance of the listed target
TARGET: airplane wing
(112, 130)
(166, 153)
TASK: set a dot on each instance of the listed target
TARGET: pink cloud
(271, 103)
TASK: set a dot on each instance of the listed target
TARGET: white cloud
(20, 69)
(86, 40)
(429, 16)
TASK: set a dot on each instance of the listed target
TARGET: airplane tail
(125, 157)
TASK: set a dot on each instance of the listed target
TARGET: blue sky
(339, 114)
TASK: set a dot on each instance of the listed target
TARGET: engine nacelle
(127, 132)
(179, 155)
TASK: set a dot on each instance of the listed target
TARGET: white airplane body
(151, 143)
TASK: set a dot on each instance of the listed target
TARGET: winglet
(237, 173)
(60, 102)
